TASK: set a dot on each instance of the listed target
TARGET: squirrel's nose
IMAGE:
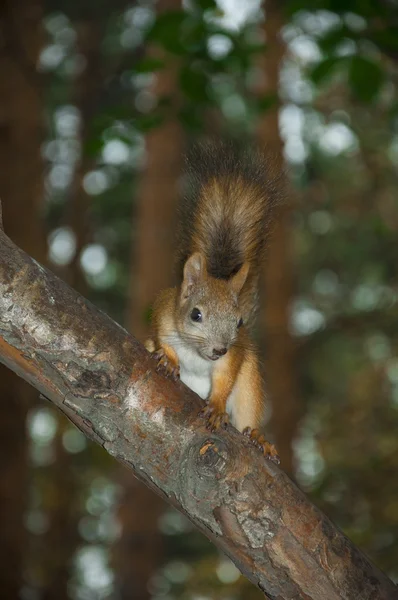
(220, 351)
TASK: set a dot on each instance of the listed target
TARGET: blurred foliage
(355, 46)
(338, 121)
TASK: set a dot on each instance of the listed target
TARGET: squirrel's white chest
(195, 371)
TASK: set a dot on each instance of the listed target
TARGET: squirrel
(200, 329)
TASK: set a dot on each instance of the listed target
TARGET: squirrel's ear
(194, 273)
(238, 280)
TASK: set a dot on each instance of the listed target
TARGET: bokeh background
(98, 102)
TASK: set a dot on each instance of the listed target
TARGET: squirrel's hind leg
(268, 449)
(247, 408)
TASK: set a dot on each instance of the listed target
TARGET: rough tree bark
(21, 190)
(107, 384)
(278, 283)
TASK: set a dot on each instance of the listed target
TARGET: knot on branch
(211, 459)
(208, 468)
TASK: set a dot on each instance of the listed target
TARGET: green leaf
(387, 40)
(167, 31)
(252, 48)
(92, 147)
(297, 5)
(149, 65)
(266, 102)
(194, 83)
(393, 111)
(340, 6)
(206, 4)
(192, 118)
(365, 77)
(333, 37)
(194, 36)
(149, 122)
(325, 68)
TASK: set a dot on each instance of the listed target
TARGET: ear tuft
(238, 280)
(194, 273)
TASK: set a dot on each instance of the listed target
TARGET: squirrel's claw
(268, 449)
(168, 367)
(214, 417)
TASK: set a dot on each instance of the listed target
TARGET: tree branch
(107, 384)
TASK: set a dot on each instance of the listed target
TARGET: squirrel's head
(209, 317)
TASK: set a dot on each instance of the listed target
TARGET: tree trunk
(21, 190)
(87, 91)
(139, 552)
(108, 385)
(155, 217)
(278, 283)
(62, 539)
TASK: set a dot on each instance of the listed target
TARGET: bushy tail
(228, 212)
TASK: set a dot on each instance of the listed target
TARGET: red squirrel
(200, 329)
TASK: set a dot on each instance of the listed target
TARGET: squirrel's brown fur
(199, 329)
(228, 212)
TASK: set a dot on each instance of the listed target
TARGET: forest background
(98, 103)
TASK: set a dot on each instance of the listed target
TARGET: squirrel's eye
(240, 322)
(196, 315)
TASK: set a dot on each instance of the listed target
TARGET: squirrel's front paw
(165, 364)
(214, 417)
(266, 448)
